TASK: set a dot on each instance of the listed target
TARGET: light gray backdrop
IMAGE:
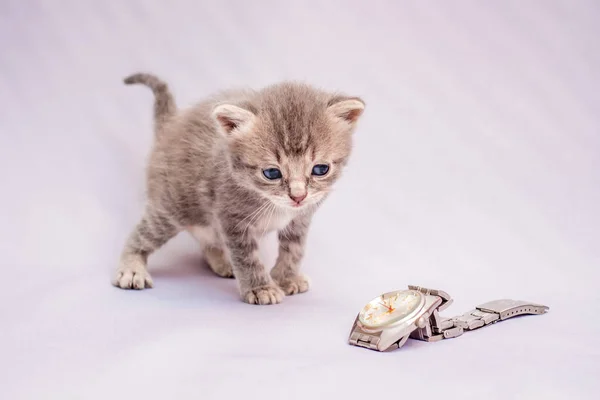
(476, 171)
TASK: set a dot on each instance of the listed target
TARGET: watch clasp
(511, 308)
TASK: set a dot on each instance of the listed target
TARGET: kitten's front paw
(129, 277)
(294, 284)
(266, 294)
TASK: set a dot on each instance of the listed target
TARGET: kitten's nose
(298, 199)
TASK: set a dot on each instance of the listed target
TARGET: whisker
(252, 213)
(256, 217)
(285, 231)
(273, 208)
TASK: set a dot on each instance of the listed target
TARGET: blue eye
(320, 169)
(272, 173)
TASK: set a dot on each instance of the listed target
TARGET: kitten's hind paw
(217, 262)
(294, 284)
(224, 273)
(132, 278)
(265, 294)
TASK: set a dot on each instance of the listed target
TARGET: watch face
(391, 307)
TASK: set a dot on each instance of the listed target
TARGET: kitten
(234, 168)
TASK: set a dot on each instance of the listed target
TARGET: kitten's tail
(164, 103)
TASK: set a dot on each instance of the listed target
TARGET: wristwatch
(386, 322)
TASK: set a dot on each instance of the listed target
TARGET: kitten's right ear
(232, 117)
(346, 108)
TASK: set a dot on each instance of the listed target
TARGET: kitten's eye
(320, 169)
(272, 173)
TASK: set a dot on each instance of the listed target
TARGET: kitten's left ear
(346, 108)
(232, 117)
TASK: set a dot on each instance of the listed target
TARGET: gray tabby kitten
(235, 167)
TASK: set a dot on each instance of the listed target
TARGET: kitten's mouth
(293, 205)
(299, 206)
(286, 203)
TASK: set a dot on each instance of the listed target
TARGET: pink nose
(298, 199)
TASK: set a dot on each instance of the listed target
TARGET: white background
(476, 171)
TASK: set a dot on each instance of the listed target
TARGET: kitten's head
(289, 142)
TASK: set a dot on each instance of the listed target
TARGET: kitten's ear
(232, 117)
(346, 108)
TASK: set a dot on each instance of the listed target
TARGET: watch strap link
(438, 327)
(361, 339)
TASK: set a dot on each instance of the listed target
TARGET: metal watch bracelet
(438, 327)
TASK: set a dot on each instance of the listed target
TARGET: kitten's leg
(256, 286)
(291, 251)
(218, 261)
(151, 232)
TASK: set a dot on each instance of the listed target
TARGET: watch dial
(391, 307)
